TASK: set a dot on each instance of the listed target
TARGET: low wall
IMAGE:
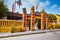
(6, 25)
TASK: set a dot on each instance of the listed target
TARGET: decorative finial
(24, 10)
(32, 8)
(43, 11)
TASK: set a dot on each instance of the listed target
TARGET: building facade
(58, 18)
(25, 21)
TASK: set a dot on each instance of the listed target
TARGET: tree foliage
(52, 17)
(3, 10)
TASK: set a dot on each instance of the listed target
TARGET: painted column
(24, 18)
(42, 24)
(32, 19)
(42, 19)
(46, 23)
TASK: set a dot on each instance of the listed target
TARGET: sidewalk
(3, 35)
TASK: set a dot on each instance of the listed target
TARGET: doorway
(44, 25)
(38, 23)
(28, 24)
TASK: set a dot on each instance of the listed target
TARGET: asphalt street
(45, 36)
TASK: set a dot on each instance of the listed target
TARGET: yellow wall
(58, 18)
(5, 25)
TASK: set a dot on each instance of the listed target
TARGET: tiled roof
(14, 14)
(58, 15)
(37, 12)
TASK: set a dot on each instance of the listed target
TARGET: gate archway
(38, 22)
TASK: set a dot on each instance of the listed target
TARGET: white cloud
(9, 4)
(11, 1)
(47, 2)
(28, 4)
(32, 2)
(42, 4)
(54, 6)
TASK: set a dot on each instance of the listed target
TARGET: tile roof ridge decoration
(37, 12)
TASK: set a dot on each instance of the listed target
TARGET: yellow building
(58, 18)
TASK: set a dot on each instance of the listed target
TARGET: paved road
(45, 36)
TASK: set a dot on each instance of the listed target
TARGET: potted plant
(21, 29)
(12, 29)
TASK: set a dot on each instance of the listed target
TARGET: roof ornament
(43, 10)
(32, 8)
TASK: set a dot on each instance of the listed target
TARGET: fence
(5, 25)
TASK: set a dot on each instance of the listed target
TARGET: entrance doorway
(38, 23)
(28, 24)
(44, 26)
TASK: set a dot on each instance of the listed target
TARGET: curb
(27, 33)
(21, 35)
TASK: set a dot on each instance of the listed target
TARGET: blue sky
(50, 6)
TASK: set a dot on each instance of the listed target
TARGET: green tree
(52, 17)
(3, 10)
